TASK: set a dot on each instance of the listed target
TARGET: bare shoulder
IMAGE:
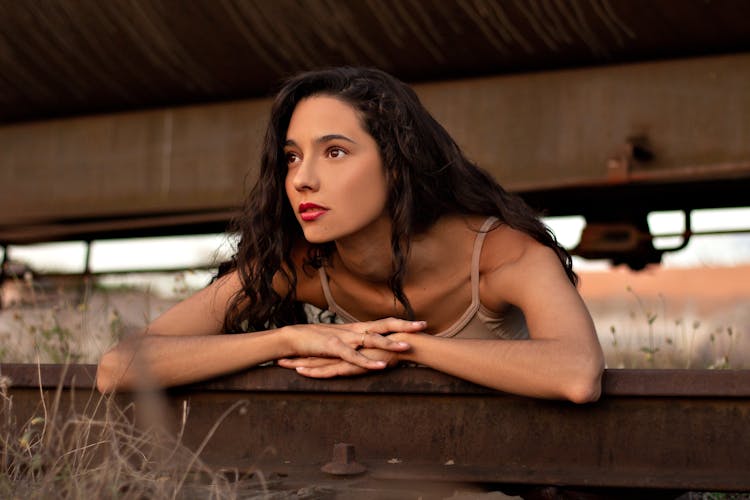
(506, 249)
(530, 275)
(514, 265)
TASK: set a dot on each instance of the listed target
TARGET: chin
(317, 241)
(317, 237)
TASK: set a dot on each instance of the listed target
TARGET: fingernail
(300, 368)
(402, 344)
(419, 323)
(380, 363)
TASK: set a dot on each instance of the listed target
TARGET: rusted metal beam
(657, 429)
(672, 121)
(210, 221)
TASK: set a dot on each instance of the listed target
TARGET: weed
(650, 316)
(721, 357)
(100, 452)
(662, 342)
(73, 321)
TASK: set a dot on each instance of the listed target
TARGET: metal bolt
(343, 463)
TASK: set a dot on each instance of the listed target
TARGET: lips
(310, 211)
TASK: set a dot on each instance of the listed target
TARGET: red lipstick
(310, 211)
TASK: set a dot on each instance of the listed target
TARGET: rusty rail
(672, 430)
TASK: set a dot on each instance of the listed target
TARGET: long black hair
(427, 174)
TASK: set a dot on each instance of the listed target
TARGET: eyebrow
(323, 139)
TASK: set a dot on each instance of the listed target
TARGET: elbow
(109, 372)
(104, 386)
(584, 392)
(586, 387)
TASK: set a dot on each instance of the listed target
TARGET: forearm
(538, 368)
(153, 360)
(161, 361)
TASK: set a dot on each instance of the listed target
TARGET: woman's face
(335, 180)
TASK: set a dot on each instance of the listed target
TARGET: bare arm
(562, 359)
(183, 344)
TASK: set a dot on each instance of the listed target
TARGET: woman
(367, 207)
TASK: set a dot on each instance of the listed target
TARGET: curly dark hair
(427, 175)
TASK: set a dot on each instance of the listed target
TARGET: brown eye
(336, 153)
(291, 157)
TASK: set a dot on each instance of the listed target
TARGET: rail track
(666, 431)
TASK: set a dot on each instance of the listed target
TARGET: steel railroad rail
(661, 430)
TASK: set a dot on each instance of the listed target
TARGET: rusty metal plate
(535, 131)
(671, 429)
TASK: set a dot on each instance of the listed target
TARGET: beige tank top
(476, 322)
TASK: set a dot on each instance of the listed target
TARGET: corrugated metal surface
(62, 57)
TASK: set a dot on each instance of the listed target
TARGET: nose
(305, 176)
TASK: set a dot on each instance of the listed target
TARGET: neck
(367, 254)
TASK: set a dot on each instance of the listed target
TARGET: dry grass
(100, 452)
(648, 337)
(672, 318)
(74, 320)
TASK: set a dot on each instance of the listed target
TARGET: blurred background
(129, 134)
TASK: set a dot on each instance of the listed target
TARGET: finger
(372, 335)
(356, 358)
(308, 361)
(391, 325)
(375, 341)
(341, 368)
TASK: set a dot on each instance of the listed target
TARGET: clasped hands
(333, 350)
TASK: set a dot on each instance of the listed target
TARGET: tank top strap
(326, 288)
(471, 311)
(478, 244)
(332, 305)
